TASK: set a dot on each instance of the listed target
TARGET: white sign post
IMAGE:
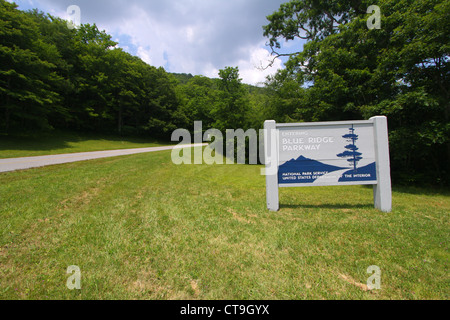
(328, 154)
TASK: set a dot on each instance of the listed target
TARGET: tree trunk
(7, 111)
(6, 116)
(120, 119)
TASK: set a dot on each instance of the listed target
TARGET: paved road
(42, 161)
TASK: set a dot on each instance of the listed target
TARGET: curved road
(13, 164)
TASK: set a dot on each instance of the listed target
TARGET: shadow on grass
(327, 206)
(429, 191)
(33, 143)
(55, 140)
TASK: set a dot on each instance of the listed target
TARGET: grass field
(30, 145)
(140, 227)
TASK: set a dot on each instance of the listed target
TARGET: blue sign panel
(327, 155)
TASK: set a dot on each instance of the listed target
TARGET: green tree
(287, 99)
(92, 97)
(197, 98)
(400, 71)
(54, 32)
(162, 103)
(231, 110)
(53, 76)
(27, 73)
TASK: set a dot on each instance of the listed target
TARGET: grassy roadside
(140, 227)
(68, 142)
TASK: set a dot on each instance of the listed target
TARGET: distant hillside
(183, 78)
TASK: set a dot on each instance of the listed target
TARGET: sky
(183, 36)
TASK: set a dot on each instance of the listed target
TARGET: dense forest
(350, 71)
(79, 79)
(54, 77)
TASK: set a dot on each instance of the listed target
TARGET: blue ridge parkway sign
(328, 154)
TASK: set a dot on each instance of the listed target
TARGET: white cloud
(255, 69)
(185, 36)
(144, 54)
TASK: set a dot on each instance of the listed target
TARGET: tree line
(79, 79)
(52, 76)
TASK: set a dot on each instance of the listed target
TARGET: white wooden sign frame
(380, 144)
